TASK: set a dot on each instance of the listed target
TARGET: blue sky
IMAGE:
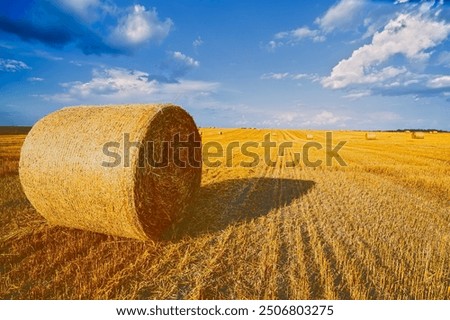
(347, 64)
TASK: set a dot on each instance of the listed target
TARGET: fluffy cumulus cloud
(118, 85)
(11, 65)
(139, 26)
(411, 35)
(94, 26)
(340, 15)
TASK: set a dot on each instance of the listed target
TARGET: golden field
(378, 228)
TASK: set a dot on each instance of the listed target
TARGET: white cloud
(11, 65)
(139, 26)
(197, 42)
(178, 65)
(408, 34)
(275, 76)
(293, 36)
(188, 61)
(439, 82)
(340, 15)
(35, 79)
(287, 75)
(85, 9)
(117, 85)
(358, 94)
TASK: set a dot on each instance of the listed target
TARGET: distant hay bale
(407, 131)
(72, 181)
(220, 132)
(418, 135)
(309, 136)
(434, 132)
(371, 136)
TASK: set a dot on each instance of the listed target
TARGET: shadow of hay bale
(231, 202)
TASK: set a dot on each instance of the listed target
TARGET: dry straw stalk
(62, 174)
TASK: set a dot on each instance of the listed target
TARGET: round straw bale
(371, 136)
(309, 136)
(418, 135)
(101, 168)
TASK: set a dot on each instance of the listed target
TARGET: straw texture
(63, 173)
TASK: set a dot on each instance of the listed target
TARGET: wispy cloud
(184, 59)
(118, 85)
(84, 9)
(444, 59)
(46, 55)
(354, 95)
(11, 65)
(35, 79)
(340, 16)
(197, 42)
(440, 82)
(294, 36)
(288, 75)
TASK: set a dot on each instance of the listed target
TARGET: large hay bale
(371, 136)
(72, 180)
(418, 135)
(309, 136)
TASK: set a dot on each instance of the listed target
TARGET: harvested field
(378, 228)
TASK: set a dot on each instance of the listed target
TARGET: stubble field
(378, 228)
